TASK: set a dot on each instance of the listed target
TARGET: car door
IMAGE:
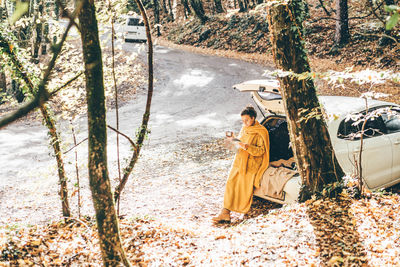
(392, 123)
(376, 154)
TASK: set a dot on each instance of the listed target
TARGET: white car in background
(381, 145)
(134, 29)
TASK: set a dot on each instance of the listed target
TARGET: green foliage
(394, 18)
(21, 9)
(300, 12)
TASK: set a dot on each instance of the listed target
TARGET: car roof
(343, 105)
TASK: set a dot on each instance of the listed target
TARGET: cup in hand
(229, 133)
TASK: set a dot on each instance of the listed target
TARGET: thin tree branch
(65, 13)
(124, 135)
(115, 95)
(373, 11)
(66, 84)
(378, 35)
(75, 145)
(324, 8)
(146, 115)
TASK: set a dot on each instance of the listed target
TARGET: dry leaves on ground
(319, 232)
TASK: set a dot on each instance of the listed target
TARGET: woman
(250, 163)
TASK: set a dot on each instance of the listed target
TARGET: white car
(134, 29)
(381, 141)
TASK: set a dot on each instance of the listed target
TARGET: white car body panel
(134, 29)
(380, 156)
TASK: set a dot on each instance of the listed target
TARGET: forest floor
(188, 182)
(334, 232)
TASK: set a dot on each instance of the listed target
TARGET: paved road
(193, 100)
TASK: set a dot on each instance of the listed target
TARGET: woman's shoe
(224, 216)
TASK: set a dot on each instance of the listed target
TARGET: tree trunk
(17, 92)
(164, 6)
(38, 32)
(186, 8)
(316, 160)
(107, 222)
(242, 7)
(218, 6)
(171, 13)
(3, 86)
(198, 9)
(157, 16)
(55, 142)
(342, 34)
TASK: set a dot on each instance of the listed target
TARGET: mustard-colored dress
(247, 168)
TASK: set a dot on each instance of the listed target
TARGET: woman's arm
(256, 150)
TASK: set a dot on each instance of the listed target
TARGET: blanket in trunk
(273, 182)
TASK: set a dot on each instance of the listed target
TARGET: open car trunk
(280, 150)
(267, 97)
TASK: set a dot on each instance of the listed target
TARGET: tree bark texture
(316, 160)
(342, 34)
(198, 9)
(55, 142)
(106, 217)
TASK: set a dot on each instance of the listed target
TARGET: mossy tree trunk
(342, 34)
(198, 9)
(55, 143)
(107, 222)
(308, 131)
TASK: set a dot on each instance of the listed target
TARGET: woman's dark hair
(249, 110)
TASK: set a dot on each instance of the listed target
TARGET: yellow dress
(247, 168)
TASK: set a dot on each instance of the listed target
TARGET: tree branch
(146, 115)
(124, 135)
(75, 145)
(66, 84)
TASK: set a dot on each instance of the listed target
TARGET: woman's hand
(243, 145)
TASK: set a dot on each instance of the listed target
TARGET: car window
(351, 129)
(392, 120)
(135, 22)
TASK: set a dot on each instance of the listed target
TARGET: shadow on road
(338, 241)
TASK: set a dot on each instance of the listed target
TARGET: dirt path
(183, 168)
